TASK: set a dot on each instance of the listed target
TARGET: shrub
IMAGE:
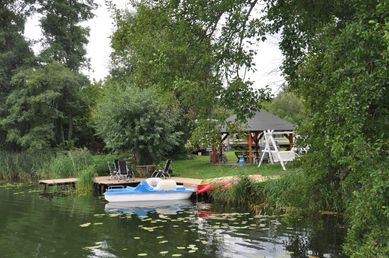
(135, 120)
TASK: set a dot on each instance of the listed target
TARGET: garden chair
(165, 172)
(123, 170)
(113, 172)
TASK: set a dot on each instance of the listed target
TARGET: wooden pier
(103, 182)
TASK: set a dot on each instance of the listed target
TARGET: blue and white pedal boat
(151, 189)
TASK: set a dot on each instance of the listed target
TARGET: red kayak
(224, 182)
(209, 187)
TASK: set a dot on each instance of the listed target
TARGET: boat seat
(166, 185)
(153, 181)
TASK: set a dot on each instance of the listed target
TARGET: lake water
(37, 225)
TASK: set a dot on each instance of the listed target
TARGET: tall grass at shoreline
(281, 194)
(22, 166)
(66, 164)
(84, 184)
(32, 166)
(244, 193)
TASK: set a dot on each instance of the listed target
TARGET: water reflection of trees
(317, 236)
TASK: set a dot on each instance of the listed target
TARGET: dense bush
(135, 120)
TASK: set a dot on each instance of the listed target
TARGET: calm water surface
(37, 225)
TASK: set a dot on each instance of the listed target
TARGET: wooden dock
(59, 182)
(103, 182)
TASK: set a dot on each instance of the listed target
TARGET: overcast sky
(268, 59)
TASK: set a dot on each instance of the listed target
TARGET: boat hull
(134, 197)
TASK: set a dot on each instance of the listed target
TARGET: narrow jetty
(101, 183)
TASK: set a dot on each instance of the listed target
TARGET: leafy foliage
(65, 37)
(42, 102)
(15, 52)
(167, 47)
(132, 119)
(337, 61)
(287, 105)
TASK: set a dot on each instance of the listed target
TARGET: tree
(287, 105)
(65, 38)
(156, 48)
(36, 107)
(132, 119)
(337, 60)
(15, 52)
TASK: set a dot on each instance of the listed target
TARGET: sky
(268, 59)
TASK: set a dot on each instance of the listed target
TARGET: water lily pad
(85, 225)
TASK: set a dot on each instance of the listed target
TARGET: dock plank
(108, 181)
(58, 181)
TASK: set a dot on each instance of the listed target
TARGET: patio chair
(113, 172)
(123, 170)
(165, 172)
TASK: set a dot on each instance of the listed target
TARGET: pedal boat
(151, 189)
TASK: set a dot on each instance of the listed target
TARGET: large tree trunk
(70, 133)
(136, 153)
(61, 131)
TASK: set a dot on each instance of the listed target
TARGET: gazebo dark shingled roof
(264, 120)
(255, 127)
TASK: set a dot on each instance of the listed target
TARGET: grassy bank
(200, 167)
(282, 194)
(30, 167)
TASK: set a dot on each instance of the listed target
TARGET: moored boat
(152, 189)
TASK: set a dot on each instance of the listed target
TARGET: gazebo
(255, 128)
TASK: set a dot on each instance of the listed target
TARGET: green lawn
(200, 167)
